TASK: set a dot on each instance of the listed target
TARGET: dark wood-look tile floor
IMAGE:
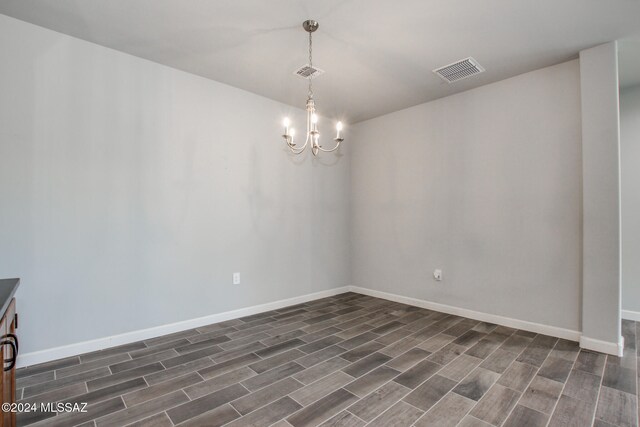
(348, 360)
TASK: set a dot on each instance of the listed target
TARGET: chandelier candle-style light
(313, 135)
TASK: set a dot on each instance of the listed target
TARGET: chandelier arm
(289, 141)
(301, 149)
(332, 149)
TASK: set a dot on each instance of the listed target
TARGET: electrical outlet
(236, 278)
(437, 274)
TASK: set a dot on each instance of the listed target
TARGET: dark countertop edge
(8, 288)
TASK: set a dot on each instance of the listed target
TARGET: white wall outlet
(236, 278)
(437, 274)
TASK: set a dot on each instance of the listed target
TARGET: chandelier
(313, 135)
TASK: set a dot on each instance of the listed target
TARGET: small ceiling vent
(308, 72)
(459, 70)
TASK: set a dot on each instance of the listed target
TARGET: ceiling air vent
(308, 72)
(459, 70)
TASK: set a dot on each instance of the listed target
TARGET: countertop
(8, 289)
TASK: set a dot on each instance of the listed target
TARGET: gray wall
(486, 185)
(131, 192)
(630, 170)
(601, 194)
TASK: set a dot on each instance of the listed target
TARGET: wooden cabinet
(8, 352)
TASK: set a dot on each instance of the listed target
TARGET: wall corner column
(601, 268)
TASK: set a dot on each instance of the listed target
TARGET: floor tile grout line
(564, 385)
(347, 410)
(595, 409)
(522, 393)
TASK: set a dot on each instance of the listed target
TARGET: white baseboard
(607, 347)
(42, 356)
(538, 328)
(631, 315)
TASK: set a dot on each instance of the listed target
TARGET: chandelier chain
(310, 65)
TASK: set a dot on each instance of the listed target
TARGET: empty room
(298, 213)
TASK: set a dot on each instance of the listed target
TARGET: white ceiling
(377, 54)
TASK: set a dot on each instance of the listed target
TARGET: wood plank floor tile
(58, 394)
(321, 388)
(142, 361)
(583, 386)
(620, 378)
(178, 371)
(476, 384)
(206, 403)
(448, 412)
(95, 410)
(227, 366)
(266, 395)
(495, 405)
(323, 409)
(214, 418)
(591, 362)
(271, 376)
(556, 369)
(343, 419)
(446, 354)
(521, 416)
(498, 361)
(98, 363)
(378, 401)
(143, 410)
(565, 349)
(436, 342)
(102, 373)
(517, 376)
(110, 391)
(572, 412)
(320, 344)
(542, 394)
(371, 381)
(157, 390)
(105, 381)
(366, 364)
(320, 356)
(430, 392)
(471, 421)
(46, 367)
(408, 359)
(362, 351)
(157, 420)
(460, 367)
(414, 376)
(400, 414)
(269, 414)
(321, 370)
(617, 407)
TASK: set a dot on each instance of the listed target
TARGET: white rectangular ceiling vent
(308, 72)
(459, 70)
